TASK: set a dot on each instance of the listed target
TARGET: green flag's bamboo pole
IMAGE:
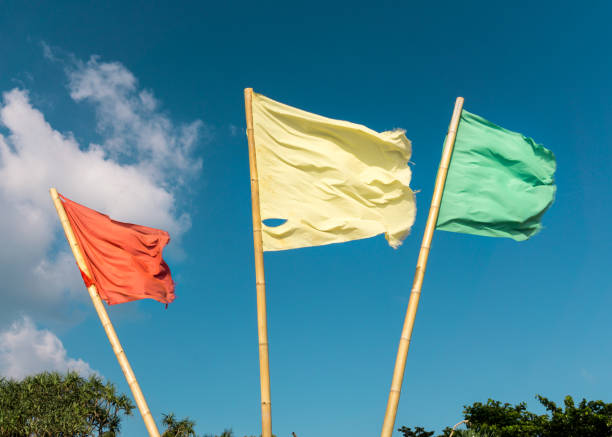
(262, 328)
(413, 303)
(106, 323)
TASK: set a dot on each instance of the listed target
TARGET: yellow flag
(331, 180)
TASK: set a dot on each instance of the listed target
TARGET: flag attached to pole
(499, 183)
(331, 181)
(125, 260)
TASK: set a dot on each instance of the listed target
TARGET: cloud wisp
(131, 122)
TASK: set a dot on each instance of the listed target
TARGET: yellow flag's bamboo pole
(106, 323)
(413, 303)
(262, 328)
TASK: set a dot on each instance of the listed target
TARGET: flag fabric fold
(331, 181)
(499, 182)
(124, 259)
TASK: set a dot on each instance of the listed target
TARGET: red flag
(125, 260)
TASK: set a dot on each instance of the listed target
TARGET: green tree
(587, 419)
(418, 432)
(494, 419)
(504, 420)
(54, 405)
(186, 428)
(421, 432)
(178, 428)
(469, 433)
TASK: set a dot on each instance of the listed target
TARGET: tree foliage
(52, 404)
(587, 419)
(494, 419)
(421, 432)
(178, 428)
(186, 428)
(418, 432)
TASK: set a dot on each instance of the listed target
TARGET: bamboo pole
(106, 323)
(467, 422)
(260, 281)
(413, 302)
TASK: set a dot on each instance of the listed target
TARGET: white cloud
(132, 176)
(26, 350)
(40, 157)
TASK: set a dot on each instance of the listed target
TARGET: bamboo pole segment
(260, 281)
(106, 323)
(467, 422)
(413, 302)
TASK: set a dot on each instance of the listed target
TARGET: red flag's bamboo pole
(106, 323)
(262, 328)
(413, 303)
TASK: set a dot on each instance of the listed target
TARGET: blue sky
(497, 318)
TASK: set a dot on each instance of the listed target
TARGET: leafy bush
(494, 419)
(587, 419)
(56, 405)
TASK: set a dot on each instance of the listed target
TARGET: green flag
(499, 183)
